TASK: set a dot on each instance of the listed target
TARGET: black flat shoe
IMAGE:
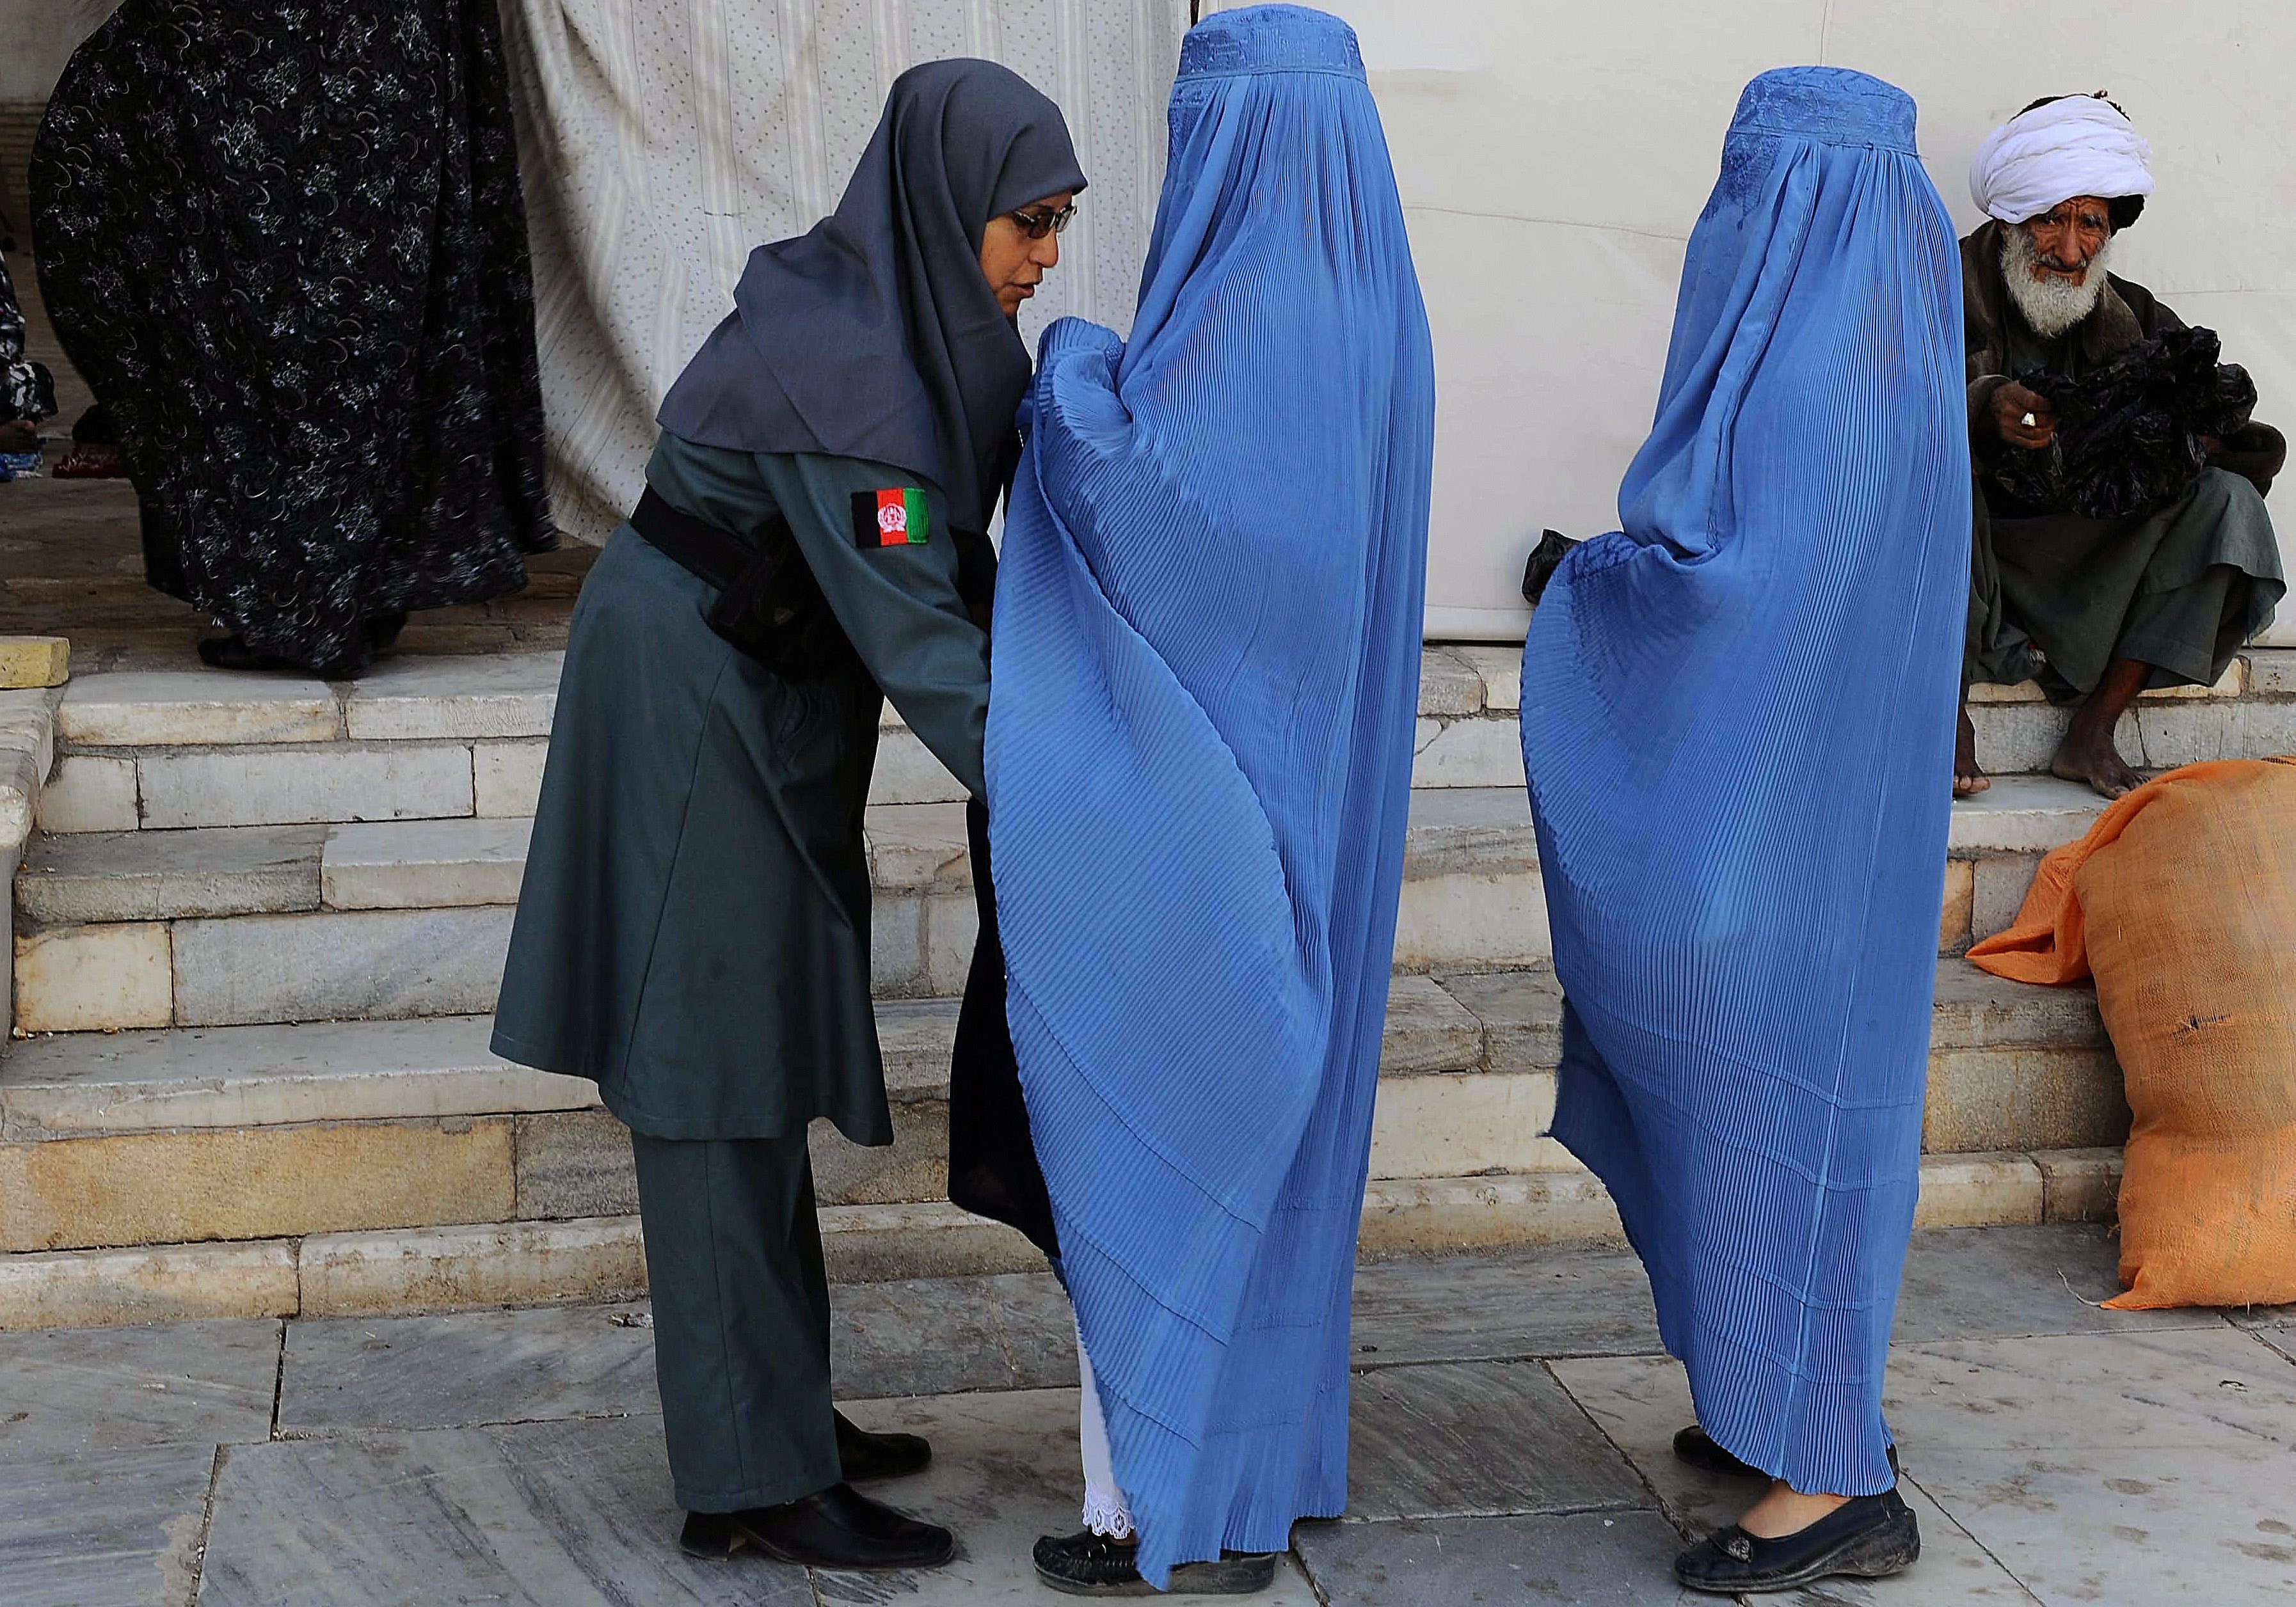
(866, 1456)
(1088, 1564)
(1867, 1537)
(1695, 1447)
(837, 1528)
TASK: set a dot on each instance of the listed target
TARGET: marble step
(264, 1132)
(210, 873)
(401, 919)
(1468, 733)
(513, 1262)
(497, 697)
(390, 920)
(161, 790)
(418, 739)
(445, 738)
(1471, 898)
(2250, 713)
(82, 1084)
(403, 700)
(85, 1085)
(448, 738)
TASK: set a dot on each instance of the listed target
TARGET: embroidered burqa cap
(1199, 769)
(875, 334)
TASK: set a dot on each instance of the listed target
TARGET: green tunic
(694, 931)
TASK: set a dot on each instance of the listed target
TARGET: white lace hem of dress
(1105, 1513)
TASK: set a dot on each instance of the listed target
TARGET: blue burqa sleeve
(1738, 718)
(1204, 679)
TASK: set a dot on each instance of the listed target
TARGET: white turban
(2076, 146)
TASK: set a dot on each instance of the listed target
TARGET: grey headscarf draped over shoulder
(875, 335)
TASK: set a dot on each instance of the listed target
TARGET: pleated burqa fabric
(1738, 718)
(1206, 668)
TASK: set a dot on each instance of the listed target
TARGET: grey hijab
(875, 335)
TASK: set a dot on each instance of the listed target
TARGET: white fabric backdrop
(661, 141)
(1553, 154)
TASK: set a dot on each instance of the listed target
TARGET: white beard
(2051, 303)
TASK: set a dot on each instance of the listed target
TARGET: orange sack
(2182, 901)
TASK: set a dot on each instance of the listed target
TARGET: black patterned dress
(283, 241)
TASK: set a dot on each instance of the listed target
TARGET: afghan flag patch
(895, 517)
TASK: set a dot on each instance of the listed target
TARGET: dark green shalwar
(694, 931)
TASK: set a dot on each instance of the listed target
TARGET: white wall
(1553, 153)
(38, 38)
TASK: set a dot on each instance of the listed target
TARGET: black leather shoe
(1695, 1447)
(1867, 1537)
(1088, 1564)
(837, 1528)
(866, 1456)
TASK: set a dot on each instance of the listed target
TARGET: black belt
(769, 604)
(706, 551)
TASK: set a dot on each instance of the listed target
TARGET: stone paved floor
(71, 561)
(1512, 1420)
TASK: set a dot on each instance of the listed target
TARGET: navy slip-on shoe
(1867, 1538)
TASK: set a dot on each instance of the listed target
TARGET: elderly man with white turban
(2097, 609)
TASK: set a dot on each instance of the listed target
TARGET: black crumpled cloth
(993, 1169)
(2129, 436)
(1545, 558)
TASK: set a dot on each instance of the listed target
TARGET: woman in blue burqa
(1733, 714)
(1206, 665)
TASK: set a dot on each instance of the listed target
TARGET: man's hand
(2023, 417)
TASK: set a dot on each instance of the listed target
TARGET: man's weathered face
(2067, 237)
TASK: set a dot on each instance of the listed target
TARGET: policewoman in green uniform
(694, 934)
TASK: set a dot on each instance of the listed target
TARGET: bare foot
(20, 435)
(2087, 754)
(1786, 1510)
(1968, 779)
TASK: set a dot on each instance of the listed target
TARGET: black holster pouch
(768, 605)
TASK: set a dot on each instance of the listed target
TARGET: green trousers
(741, 1319)
(2180, 588)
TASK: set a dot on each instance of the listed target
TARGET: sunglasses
(1039, 224)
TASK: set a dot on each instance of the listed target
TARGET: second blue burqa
(1206, 670)
(1738, 718)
